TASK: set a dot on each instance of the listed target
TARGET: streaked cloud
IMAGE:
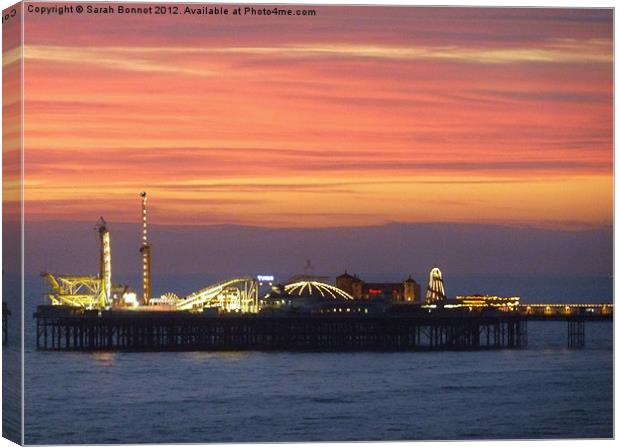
(141, 59)
(579, 53)
(108, 58)
(11, 56)
(418, 115)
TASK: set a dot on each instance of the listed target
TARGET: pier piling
(576, 333)
(179, 331)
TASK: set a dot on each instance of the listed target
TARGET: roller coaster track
(237, 294)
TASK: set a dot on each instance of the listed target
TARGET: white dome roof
(316, 288)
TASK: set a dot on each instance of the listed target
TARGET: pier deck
(73, 329)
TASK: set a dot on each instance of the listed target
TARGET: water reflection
(222, 355)
(106, 358)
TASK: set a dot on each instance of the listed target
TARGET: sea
(546, 391)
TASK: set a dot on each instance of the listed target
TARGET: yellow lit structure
(435, 290)
(145, 249)
(167, 299)
(555, 309)
(89, 292)
(317, 288)
(233, 295)
(508, 303)
(309, 296)
(130, 299)
(77, 291)
(105, 260)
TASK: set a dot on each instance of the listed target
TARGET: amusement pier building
(406, 291)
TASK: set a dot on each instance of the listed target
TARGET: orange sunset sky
(358, 116)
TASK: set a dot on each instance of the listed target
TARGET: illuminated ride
(87, 292)
(167, 299)
(316, 288)
(145, 251)
(232, 295)
(435, 290)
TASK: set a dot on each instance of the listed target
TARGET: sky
(187, 258)
(381, 140)
(354, 117)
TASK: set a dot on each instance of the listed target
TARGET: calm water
(545, 391)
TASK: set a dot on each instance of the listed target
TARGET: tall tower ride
(146, 256)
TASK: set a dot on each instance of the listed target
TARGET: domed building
(316, 289)
(310, 296)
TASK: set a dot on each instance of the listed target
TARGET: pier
(562, 311)
(62, 328)
(91, 312)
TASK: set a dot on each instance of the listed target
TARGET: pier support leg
(576, 333)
